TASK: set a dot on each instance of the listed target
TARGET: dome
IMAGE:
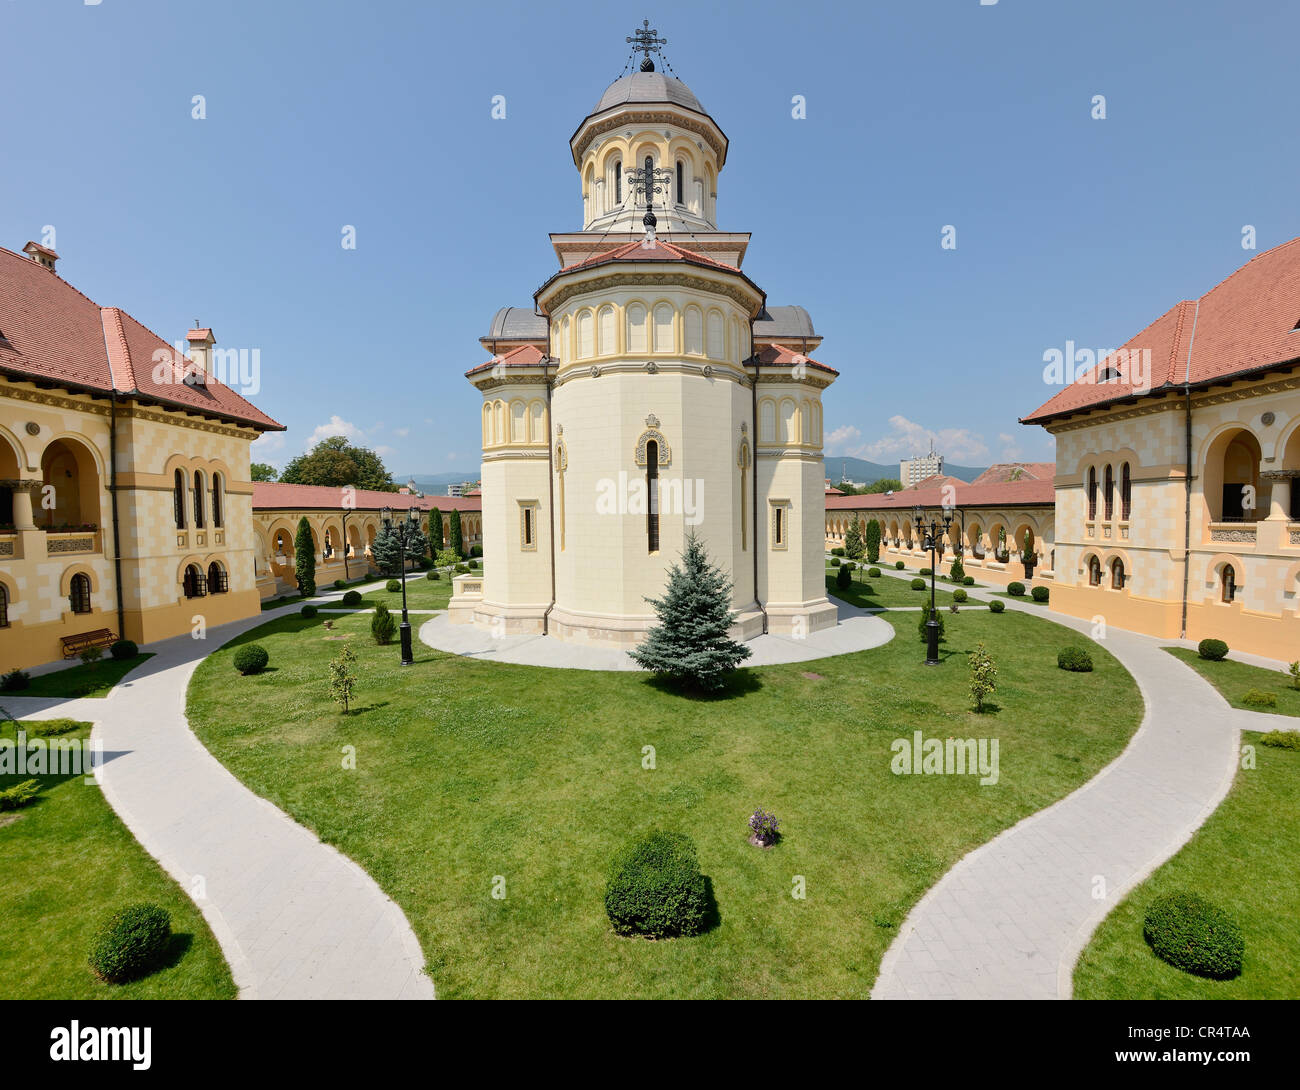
(648, 87)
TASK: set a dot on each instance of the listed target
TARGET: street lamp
(929, 535)
(403, 530)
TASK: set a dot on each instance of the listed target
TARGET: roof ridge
(118, 348)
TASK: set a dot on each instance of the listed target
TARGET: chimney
(201, 341)
(42, 255)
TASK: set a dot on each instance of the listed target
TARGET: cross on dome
(646, 39)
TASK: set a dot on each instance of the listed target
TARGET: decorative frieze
(1224, 534)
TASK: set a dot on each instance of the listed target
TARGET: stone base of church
(798, 619)
(500, 620)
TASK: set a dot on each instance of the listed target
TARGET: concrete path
(295, 918)
(1011, 918)
(857, 630)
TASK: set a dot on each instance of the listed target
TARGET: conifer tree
(853, 546)
(455, 542)
(435, 532)
(690, 644)
(872, 539)
(304, 559)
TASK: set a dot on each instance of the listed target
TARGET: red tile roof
(53, 333)
(651, 250)
(778, 355)
(526, 355)
(277, 496)
(1027, 491)
(1006, 471)
(1246, 323)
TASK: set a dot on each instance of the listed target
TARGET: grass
(1235, 679)
(95, 679)
(421, 593)
(467, 770)
(1245, 859)
(887, 593)
(69, 863)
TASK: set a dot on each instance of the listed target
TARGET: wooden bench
(74, 645)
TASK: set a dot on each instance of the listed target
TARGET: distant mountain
(431, 483)
(860, 470)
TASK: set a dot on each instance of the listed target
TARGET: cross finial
(646, 39)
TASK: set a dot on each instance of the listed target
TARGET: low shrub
(655, 888)
(131, 942)
(461, 569)
(959, 595)
(968, 581)
(121, 650)
(926, 571)
(472, 565)
(476, 550)
(849, 565)
(1258, 698)
(1016, 590)
(393, 586)
(251, 659)
(339, 584)
(953, 607)
(48, 728)
(1194, 935)
(1076, 659)
(1214, 650)
(15, 681)
(352, 598)
(382, 626)
(1281, 739)
(873, 573)
(835, 561)
(20, 794)
(1039, 594)
(837, 551)
(424, 563)
(997, 606)
(843, 578)
(918, 584)
(764, 827)
(433, 574)
(921, 625)
(899, 565)
(308, 611)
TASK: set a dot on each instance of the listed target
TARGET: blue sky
(919, 115)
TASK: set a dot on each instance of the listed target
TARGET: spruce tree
(386, 552)
(455, 542)
(853, 547)
(435, 532)
(872, 539)
(690, 644)
(304, 559)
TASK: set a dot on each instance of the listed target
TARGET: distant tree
(260, 471)
(436, 538)
(871, 537)
(445, 558)
(885, 484)
(343, 678)
(304, 559)
(853, 546)
(691, 644)
(455, 541)
(983, 675)
(336, 462)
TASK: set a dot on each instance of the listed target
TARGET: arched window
(1108, 492)
(198, 499)
(1117, 574)
(218, 515)
(79, 599)
(1229, 583)
(715, 340)
(652, 496)
(693, 331)
(618, 183)
(681, 182)
(636, 328)
(179, 500)
(1094, 572)
(4, 606)
(1092, 492)
(767, 422)
(195, 583)
(606, 344)
(663, 328)
(1125, 492)
(218, 580)
(586, 340)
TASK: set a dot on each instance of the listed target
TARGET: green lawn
(421, 593)
(467, 770)
(1245, 859)
(93, 680)
(887, 593)
(1235, 679)
(68, 862)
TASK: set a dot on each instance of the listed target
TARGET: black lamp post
(930, 537)
(403, 530)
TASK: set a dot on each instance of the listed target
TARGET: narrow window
(218, 579)
(618, 184)
(652, 496)
(1094, 572)
(198, 499)
(179, 500)
(527, 529)
(217, 513)
(4, 606)
(681, 183)
(195, 584)
(1229, 583)
(779, 525)
(1117, 574)
(80, 596)
(1092, 492)
(1108, 493)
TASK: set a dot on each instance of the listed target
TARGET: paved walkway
(1011, 918)
(295, 918)
(857, 630)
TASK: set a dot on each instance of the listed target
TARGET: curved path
(1011, 918)
(295, 918)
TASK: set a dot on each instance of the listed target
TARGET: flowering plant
(764, 825)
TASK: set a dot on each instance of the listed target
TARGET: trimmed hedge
(251, 659)
(873, 573)
(476, 550)
(927, 571)
(655, 887)
(997, 605)
(1016, 590)
(1076, 659)
(1214, 650)
(918, 584)
(1039, 594)
(959, 595)
(433, 575)
(968, 581)
(837, 551)
(121, 650)
(835, 561)
(308, 611)
(339, 584)
(899, 565)
(131, 942)
(472, 565)
(393, 586)
(352, 598)
(1194, 935)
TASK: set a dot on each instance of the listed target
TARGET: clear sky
(920, 114)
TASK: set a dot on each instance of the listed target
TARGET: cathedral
(650, 392)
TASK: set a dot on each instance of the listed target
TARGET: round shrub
(308, 611)
(835, 561)
(352, 598)
(843, 578)
(472, 565)
(339, 584)
(1194, 935)
(461, 569)
(1258, 698)
(918, 584)
(899, 565)
(251, 659)
(968, 581)
(130, 942)
(655, 888)
(926, 571)
(123, 649)
(476, 550)
(433, 574)
(1016, 590)
(873, 573)
(393, 586)
(997, 605)
(1077, 659)
(1039, 594)
(959, 595)
(837, 551)
(1214, 650)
